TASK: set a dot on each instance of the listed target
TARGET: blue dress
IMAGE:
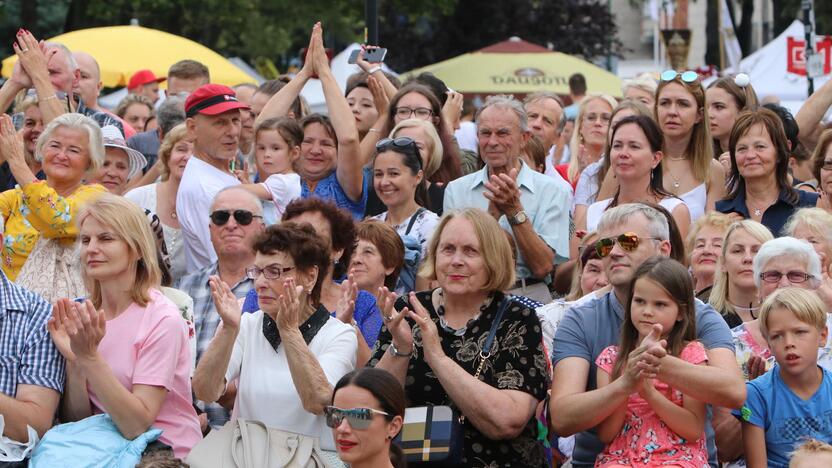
(329, 188)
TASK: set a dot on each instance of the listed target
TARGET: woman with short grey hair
(69, 149)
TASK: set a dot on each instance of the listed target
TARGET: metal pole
(371, 22)
(806, 5)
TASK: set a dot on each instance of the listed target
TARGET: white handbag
(244, 443)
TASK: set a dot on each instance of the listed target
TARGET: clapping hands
(643, 363)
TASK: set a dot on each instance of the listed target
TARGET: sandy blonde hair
(809, 448)
(713, 219)
(177, 134)
(129, 223)
(433, 141)
(574, 169)
(700, 148)
(816, 219)
(495, 248)
(719, 294)
(803, 303)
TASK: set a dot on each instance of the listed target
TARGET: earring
(389, 437)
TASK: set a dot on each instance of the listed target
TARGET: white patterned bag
(53, 270)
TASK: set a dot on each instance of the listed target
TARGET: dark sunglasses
(359, 418)
(628, 241)
(687, 77)
(243, 217)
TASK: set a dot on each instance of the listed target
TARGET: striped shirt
(27, 354)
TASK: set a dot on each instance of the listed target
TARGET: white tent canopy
(314, 93)
(767, 68)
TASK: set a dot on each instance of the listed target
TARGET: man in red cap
(213, 117)
(145, 83)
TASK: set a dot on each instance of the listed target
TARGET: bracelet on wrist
(374, 130)
(374, 69)
(48, 98)
(397, 353)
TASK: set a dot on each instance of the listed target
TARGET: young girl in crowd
(791, 402)
(276, 151)
(658, 425)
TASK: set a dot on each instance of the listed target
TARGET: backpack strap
(413, 220)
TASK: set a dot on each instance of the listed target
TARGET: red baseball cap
(212, 99)
(143, 77)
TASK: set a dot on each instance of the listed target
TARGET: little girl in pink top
(656, 425)
(126, 346)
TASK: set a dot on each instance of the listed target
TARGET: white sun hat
(114, 139)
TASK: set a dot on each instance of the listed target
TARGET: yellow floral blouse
(38, 210)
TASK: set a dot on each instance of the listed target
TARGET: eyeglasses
(628, 241)
(243, 217)
(420, 112)
(794, 277)
(687, 77)
(605, 118)
(270, 272)
(359, 418)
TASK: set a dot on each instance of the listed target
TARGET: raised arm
(34, 56)
(382, 103)
(280, 104)
(209, 378)
(350, 166)
(809, 116)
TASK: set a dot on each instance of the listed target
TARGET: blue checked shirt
(206, 321)
(27, 354)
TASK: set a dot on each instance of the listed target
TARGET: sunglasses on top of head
(687, 77)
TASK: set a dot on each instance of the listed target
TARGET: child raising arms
(658, 425)
(276, 151)
(792, 401)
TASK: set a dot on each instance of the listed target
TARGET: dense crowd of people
(403, 281)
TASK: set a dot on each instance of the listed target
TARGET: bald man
(89, 86)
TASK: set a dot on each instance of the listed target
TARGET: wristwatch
(397, 353)
(518, 218)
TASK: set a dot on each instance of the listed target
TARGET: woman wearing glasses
(289, 354)
(435, 354)
(689, 168)
(784, 262)
(759, 186)
(635, 156)
(399, 180)
(367, 412)
(590, 136)
(330, 165)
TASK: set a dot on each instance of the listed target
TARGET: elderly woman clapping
(69, 148)
(437, 355)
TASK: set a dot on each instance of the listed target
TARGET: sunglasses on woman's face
(687, 77)
(628, 241)
(243, 217)
(359, 418)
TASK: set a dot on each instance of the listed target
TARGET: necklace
(677, 158)
(750, 309)
(676, 183)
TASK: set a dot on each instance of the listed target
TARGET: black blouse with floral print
(517, 362)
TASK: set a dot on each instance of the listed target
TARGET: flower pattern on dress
(517, 362)
(645, 440)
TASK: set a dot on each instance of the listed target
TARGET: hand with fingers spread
(226, 303)
(289, 306)
(502, 191)
(11, 142)
(394, 321)
(86, 329)
(431, 344)
(345, 308)
(57, 327)
(243, 175)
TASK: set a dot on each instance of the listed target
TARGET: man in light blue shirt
(532, 207)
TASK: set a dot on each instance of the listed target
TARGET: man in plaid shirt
(32, 370)
(232, 241)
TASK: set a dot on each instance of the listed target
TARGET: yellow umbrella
(123, 50)
(489, 72)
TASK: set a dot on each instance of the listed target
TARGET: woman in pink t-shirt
(126, 346)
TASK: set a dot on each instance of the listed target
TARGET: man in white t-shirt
(213, 118)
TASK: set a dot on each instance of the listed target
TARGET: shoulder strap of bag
(486, 349)
(413, 220)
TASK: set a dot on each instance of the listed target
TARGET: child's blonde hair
(803, 303)
(809, 448)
